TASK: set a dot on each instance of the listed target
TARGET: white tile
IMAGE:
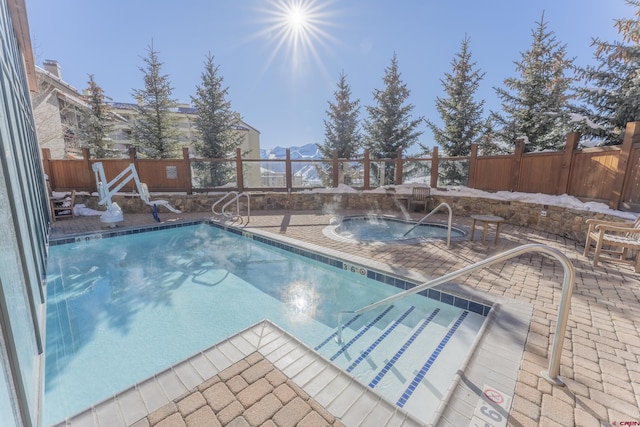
(362, 407)
(132, 405)
(299, 364)
(242, 344)
(230, 351)
(205, 368)
(291, 354)
(171, 384)
(188, 375)
(332, 389)
(309, 372)
(109, 414)
(378, 415)
(320, 381)
(252, 336)
(218, 358)
(274, 345)
(152, 394)
(346, 399)
(84, 419)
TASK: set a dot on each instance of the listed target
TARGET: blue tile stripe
(379, 340)
(123, 232)
(335, 334)
(363, 331)
(404, 348)
(423, 371)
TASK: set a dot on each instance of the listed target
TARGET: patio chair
(615, 239)
(419, 196)
(62, 207)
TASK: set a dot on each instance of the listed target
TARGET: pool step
(406, 354)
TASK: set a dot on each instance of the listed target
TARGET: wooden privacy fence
(606, 174)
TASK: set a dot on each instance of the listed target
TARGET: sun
(297, 18)
(297, 29)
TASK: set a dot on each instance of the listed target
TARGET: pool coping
(494, 361)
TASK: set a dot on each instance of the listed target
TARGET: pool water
(376, 228)
(121, 309)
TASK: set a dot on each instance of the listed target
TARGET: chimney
(53, 67)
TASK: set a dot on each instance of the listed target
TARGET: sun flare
(297, 29)
(297, 18)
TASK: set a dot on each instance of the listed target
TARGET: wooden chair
(62, 207)
(419, 196)
(615, 239)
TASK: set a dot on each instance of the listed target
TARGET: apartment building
(57, 110)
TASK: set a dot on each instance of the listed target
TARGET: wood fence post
(239, 170)
(86, 157)
(567, 162)
(287, 167)
(335, 173)
(631, 136)
(46, 167)
(186, 182)
(434, 168)
(473, 158)
(515, 165)
(398, 178)
(367, 169)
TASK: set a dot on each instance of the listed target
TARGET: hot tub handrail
(237, 200)
(553, 371)
(431, 213)
(213, 207)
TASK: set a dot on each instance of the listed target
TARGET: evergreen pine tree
(155, 129)
(342, 133)
(536, 103)
(97, 122)
(612, 88)
(216, 124)
(460, 113)
(389, 127)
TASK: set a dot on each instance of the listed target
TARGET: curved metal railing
(220, 200)
(431, 213)
(553, 371)
(237, 200)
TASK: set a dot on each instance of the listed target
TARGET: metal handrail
(237, 200)
(431, 213)
(553, 371)
(213, 207)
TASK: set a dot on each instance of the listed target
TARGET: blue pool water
(121, 309)
(376, 228)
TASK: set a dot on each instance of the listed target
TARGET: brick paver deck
(600, 364)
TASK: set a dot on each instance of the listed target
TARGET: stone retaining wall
(566, 222)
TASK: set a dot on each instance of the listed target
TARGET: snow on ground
(563, 200)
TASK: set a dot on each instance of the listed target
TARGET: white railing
(553, 371)
(431, 213)
(237, 200)
(220, 200)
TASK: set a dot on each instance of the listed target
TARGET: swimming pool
(168, 294)
(388, 229)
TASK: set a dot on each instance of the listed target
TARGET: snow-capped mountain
(307, 151)
(306, 171)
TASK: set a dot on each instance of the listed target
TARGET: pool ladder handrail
(553, 371)
(431, 213)
(213, 207)
(237, 200)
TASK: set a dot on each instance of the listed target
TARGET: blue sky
(283, 90)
